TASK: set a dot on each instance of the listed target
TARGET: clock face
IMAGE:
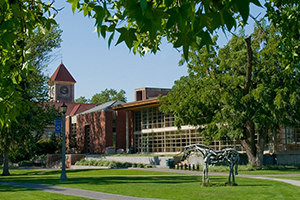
(64, 91)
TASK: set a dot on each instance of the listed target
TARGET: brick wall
(100, 131)
(68, 130)
(121, 130)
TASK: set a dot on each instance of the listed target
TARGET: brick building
(89, 128)
(140, 127)
(99, 128)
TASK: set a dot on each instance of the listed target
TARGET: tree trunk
(248, 141)
(261, 141)
(5, 165)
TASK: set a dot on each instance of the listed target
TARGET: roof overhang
(138, 105)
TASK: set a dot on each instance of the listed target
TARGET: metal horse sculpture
(210, 156)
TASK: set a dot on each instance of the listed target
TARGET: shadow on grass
(121, 180)
(6, 188)
(105, 180)
(31, 172)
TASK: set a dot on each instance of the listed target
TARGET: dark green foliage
(107, 163)
(140, 165)
(284, 14)
(186, 23)
(108, 95)
(213, 94)
(104, 96)
(82, 99)
(23, 49)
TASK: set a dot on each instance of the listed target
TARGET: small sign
(57, 125)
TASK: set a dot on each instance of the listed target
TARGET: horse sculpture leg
(230, 173)
(204, 172)
(207, 176)
(236, 169)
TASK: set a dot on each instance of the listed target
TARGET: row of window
(172, 141)
(149, 118)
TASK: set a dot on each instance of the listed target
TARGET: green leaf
(243, 9)
(127, 35)
(86, 9)
(49, 23)
(103, 30)
(168, 2)
(229, 20)
(294, 54)
(75, 4)
(111, 37)
(143, 4)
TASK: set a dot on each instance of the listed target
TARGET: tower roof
(62, 74)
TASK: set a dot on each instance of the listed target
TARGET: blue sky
(95, 67)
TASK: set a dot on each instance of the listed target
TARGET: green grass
(149, 184)
(9, 193)
(296, 178)
(85, 172)
(270, 172)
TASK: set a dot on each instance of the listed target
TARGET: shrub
(100, 163)
(127, 164)
(112, 164)
(106, 163)
(140, 165)
(92, 162)
(119, 164)
(83, 161)
(134, 165)
(25, 163)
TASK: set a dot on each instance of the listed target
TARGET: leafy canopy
(104, 96)
(284, 14)
(141, 24)
(213, 94)
(108, 95)
(18, 20)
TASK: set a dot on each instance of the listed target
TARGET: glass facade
(288, 139)
(154, 132)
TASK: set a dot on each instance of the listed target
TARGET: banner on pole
(57, 125)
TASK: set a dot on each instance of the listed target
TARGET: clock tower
(61, 85)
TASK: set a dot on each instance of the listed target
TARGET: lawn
(159, 185)
(270, 172)
(296, 178)
(9, 193)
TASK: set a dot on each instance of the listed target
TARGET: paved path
(106, 196)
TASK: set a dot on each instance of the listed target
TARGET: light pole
(63, 176)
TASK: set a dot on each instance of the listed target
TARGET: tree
(284, 15)
(82, 99)
(141, 24)
(233, 99)
(26, 135)
(30, 91)
(18, 20)
(108, 95)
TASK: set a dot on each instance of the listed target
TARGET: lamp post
(63, 176)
